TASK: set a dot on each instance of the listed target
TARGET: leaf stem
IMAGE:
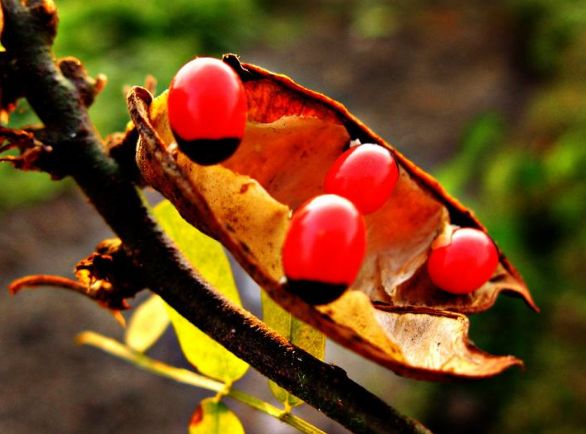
(185, 376)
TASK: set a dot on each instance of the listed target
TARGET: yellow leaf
(208, 257)
(213, 417)
(296, 332)
(147, 324)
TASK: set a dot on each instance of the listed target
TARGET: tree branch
(77, 151)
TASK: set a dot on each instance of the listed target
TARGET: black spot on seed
(208, 151)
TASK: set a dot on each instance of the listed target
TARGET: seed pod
(392, 313)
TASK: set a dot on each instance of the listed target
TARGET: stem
(191, 378)
(77, 151)
(38, 280)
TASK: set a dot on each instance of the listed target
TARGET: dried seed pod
(393, 313)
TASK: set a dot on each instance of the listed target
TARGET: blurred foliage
(527, 182)
(550, 32)
(127, 40)
(20, 188)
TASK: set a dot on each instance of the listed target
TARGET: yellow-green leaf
(213, 417)
(208, 257)
(147, 324)
(298, 333)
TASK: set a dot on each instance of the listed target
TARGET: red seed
(207, 110)
(465, 264)
(365, 174)
(324, 248)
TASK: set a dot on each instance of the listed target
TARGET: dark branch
(28, 35)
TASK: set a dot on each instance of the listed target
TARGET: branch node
(110, 275)
(45, 12)
(87, 87)
(122, 148)
(224, 392)
(287, 409)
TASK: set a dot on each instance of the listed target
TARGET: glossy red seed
(365, 174)
(465, 264)
(207, 108)
(326, 242)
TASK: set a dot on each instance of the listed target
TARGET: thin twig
(185, 376)
(39, 280)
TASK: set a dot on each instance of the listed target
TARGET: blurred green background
(490, 98)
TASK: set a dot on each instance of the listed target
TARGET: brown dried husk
(393, 314)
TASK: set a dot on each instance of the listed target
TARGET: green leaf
(208, 257)
(298, 333)
(481, 137)
(147, 324)
(213, 417)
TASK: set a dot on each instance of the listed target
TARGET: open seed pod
(392, 313)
